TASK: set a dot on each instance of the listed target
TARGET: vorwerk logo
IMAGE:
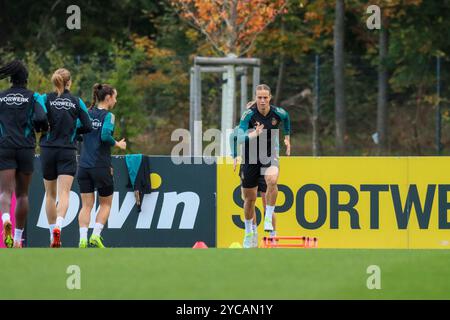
(96, 124)
(62, 103)
(14, 99)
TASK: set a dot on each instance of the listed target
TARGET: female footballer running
(21, 113)
(262, 187)
(95, 168)
(67, 116)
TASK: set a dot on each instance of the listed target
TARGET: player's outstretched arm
(233, 142)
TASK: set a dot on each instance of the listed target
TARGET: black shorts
(252, 175)
(101, 179)
(262, 185)
(19, 159)
(58, 161)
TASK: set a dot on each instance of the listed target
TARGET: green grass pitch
(159, 273)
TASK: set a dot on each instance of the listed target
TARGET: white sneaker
(255, 240)
(268, 224)
(248, 240)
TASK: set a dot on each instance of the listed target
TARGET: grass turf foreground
(168, 273)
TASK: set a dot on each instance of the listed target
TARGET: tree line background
(146, 48)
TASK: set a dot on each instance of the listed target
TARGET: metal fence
(418, 113)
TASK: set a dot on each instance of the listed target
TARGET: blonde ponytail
(251, 104)
(60, 79)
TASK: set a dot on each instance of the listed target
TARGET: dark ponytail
(17, 71)
(95, 89)
(99, 93)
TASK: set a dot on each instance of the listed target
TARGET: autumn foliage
(231, 26)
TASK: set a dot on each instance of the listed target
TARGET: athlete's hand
(287, 142)
(122, 144)
(234, 163)
(259, 128)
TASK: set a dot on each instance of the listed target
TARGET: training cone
(200, 245)
(235, 245)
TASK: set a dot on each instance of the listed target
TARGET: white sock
(59, 222)
(273, 233)
(98, 227)
(83, 233)
(254, 228)
(269, 211)
(6, 218)
(248, 225)
(18, 235)
(51, 227)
